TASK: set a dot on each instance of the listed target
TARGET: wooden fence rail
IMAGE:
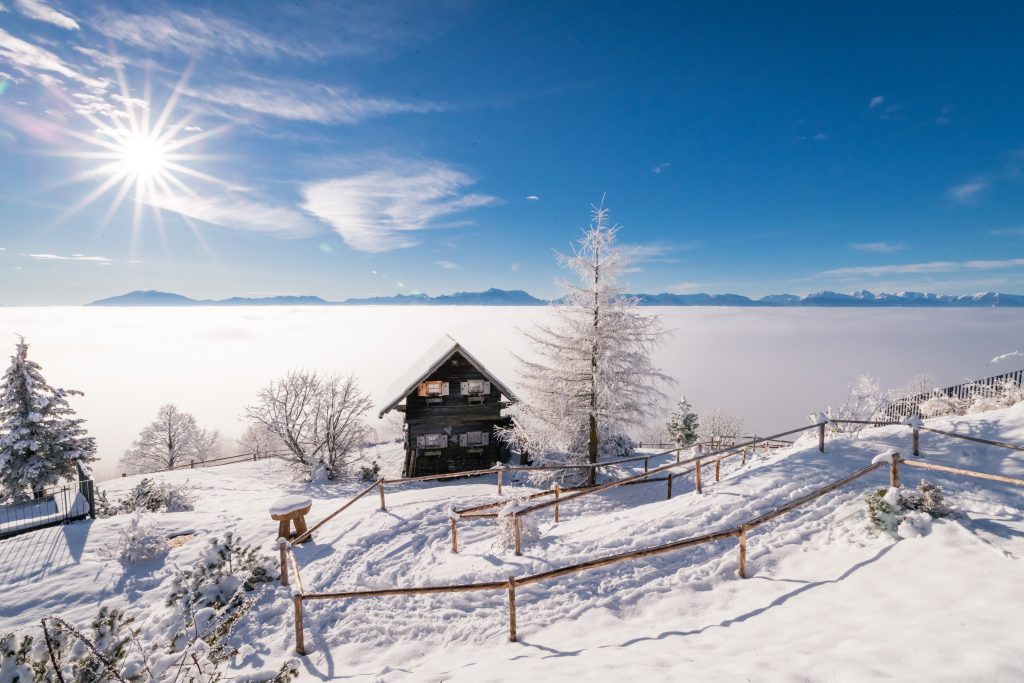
(739, 531)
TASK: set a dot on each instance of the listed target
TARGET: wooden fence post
(518, 532)
(512, 609)
(646, 464)
(300, 643)
(501, 471)
(821, 437)
(917, 440)
(718, 468)
(743, 552)
(669, 497)
(558, 490)
(744, 462)
(283, 546)
(455, 543)
(191, 464)
(696, 471)
(894, 470)
(679, 454)
(380, 485)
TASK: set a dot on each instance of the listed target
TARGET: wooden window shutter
(485, 438)
(420, 441)
(444, 388)
(487, 387)
(463, 388)
(422, 390)
(463, 440)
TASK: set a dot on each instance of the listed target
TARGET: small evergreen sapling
(906, 512)
(683, 424)
(41, 440)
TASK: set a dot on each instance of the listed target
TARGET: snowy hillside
(826, 597)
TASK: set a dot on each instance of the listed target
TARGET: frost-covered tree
(682, 424)
(593, 378)
(172, 440)
(863, 401)
(716, 424)
(318, 419)
(259, 442)
(40, 437)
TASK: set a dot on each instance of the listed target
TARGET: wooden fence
(289, 565)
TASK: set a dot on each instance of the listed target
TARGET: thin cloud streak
(239, 213)
(73, 257)
(878, 247)
(41, 64)
(379, 209)
(922, 268)
(307, 101)
(969, 191)
(40, 11)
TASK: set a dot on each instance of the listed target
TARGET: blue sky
(353, 149)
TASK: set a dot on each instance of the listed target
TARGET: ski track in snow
(825, 599)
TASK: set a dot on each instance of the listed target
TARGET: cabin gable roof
(428, 364)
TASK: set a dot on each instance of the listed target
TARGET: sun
(141, 159)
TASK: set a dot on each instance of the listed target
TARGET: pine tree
(594, 378)
(682, 424)
(40, 437)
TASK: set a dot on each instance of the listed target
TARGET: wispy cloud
(515, 266)
(683, 287)
(1007, 231)
(969, 191)
(191, 32)
(239, 213)
(661, 167)
(103, 260)
(878, 247)
(298, 101)
(532, 198)
(380, 208)
(41, 64)
(922, 268)
(447, 265)
(876, 101)
(39, 10)
(654, 252)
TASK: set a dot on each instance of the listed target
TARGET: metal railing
(50, 506)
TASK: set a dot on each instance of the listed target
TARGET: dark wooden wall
(432, 415)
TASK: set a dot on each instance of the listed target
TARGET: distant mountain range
(517, 297)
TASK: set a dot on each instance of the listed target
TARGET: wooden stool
(291, 509)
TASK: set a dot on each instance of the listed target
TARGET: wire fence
(903, 408)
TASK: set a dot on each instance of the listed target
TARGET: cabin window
(433, 388)
(474, 439)
(432, 440)
(476, 387)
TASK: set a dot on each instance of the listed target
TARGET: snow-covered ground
(774, 367)
(827, 599)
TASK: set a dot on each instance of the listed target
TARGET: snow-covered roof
(435, 357)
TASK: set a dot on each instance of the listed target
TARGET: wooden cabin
(452, 405)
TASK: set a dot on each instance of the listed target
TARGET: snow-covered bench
(290, 509)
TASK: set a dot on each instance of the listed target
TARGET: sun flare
(143, 159)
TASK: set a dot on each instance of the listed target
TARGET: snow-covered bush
(940, 404)
(148, 495)
(79, 656)
(219, 584)
(369, 474)
(138, 542)
(906, 512)
(864, 401)
(529, 529)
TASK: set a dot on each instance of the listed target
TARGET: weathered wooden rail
(740, 531)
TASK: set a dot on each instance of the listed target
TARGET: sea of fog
(770, 366)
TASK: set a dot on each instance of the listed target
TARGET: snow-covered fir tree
(40, 437)
(682, 424)
(593, 378)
